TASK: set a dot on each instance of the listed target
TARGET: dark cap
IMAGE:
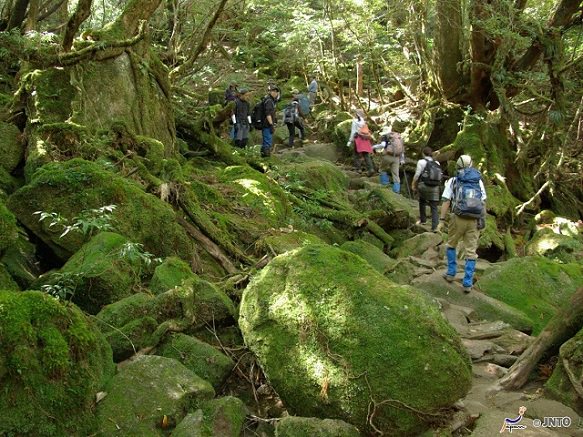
(243, 91)
(273, 88)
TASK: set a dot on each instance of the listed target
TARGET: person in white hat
(361, 138)
(466, 195)
(392, 148)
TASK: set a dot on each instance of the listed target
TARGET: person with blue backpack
(466, 196)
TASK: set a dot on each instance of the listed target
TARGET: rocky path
(493, 345)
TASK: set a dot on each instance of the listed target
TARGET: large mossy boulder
(553, 244)
(379, 260)
(419, 244)
(293, 426)
(222, 417)
(284, 240)
(53, 361)
(262, 197)
(146, 390)
(171, 273)
(74, 186)
(331, 333)
(11, 146)
(534, 285)
(200, 357)
(6, 281)
(100, 273)
(316, 175)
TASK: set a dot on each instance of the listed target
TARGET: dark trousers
(434, 214)
(361, 157)
(291, 127)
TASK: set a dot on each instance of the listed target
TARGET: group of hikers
(263, 115)
(463, 197)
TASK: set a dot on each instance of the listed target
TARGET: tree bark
(79, 16)
(17, 14)
(448, 44)
(562, 327)
(32, 15)
(135, 11)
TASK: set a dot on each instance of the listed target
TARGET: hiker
(231, 93)
(241, 118)
(426, 180)
(361, 137)
(292, 117)
(269, 120)
(466, 195)
(393, 153)
(313, 90)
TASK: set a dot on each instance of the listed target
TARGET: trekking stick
(407, 183)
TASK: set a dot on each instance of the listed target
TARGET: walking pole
(407, 183)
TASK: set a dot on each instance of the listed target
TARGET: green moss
(124, 311)
(292, 426)
(132, 337)
(337, 325)
(144, 391)
(258, 192)
(490, 236)
(8, 229)
(379, 260)
(11, 146)
(8, 183)
(49, 95)
(70, 187)
(278, 242)
(534, 285)
(6, 281)
(218, 417)
(53, 363)
(317, 175)
(203, 359)
(553, 245)
(171, 273)
(99, 273)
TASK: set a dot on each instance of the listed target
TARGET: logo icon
(512, 424)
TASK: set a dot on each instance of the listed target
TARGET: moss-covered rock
(198, 356)
(419, 244)
(552, 244)
(322, 151)
(379, 260)
(394, 211)
(342, 132)
(171, 273)
(338, 325)
(293, 426)
(196, 302)
(100, 273)
(53, 361)
(11, 146)
(117, 314)
(146, 390)
(218, 417)
(317, 175)
(6, 281)
(534, 285)
(21, 262)
(278, 242)
(8, 229)
(258, 192)
(560, 385)
(72, 187)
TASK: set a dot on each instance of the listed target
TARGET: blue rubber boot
(451, 264)
(469, 275)
(384, 178)
(396, 187)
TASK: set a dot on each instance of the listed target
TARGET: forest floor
(493, 346)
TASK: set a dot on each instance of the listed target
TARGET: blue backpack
(304, 105)
(467, 195)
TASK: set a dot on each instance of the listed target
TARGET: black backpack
(258, 114)
(431, 175)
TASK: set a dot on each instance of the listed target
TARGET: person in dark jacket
(428, 194)
(269, 121)
(241, 118)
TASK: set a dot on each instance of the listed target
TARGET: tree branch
(81, 14)
(202, 45)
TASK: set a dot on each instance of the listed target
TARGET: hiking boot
(467, 289)
(448, 278)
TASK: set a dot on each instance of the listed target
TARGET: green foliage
(88, 222)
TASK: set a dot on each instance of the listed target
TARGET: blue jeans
(267, 140)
